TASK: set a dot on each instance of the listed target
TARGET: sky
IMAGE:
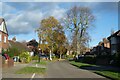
(23, 17)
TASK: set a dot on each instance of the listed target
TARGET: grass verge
(29, 70)
(109, 74)
(42, 62)
(79, 64)
(114, 75)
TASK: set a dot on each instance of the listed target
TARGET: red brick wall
(2, 43)
(8, 63)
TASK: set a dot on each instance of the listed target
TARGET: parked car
(43, 56)
(6, 56)
(16, 59)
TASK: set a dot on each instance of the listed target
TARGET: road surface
(63, 69)
(55, 69)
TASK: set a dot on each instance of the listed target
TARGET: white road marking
(32, 76)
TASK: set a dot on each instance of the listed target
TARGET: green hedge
(25, 57)
(88, 59)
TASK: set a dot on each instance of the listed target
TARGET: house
(3, 35)
(115, 42)
(103, 48)
(21, 46)
(33, 45)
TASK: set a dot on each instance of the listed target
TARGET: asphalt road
(62, 69)
(57, 69)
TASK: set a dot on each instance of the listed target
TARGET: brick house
(115, 42)
(33, 46)
(105, 47)
(3, 35)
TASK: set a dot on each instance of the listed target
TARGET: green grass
(79, 64)
(42, 62)
(110, 74)
(29, 70)
(34, 57)
(107, 73)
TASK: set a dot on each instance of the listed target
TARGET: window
(0, 37)
(5, 39)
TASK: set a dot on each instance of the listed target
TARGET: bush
(25, 57)
(13, 51)
(90, 60)
(70, 56)
(117, 59)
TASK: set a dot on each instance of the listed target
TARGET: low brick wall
(8, 63)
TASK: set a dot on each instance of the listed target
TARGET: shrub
(117, 59)
(25, 57)
(70, 56)
(88, 59)
(13, 51)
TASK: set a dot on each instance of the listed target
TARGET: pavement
(10, 72)
(62, 69)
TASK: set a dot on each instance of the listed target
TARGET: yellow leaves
(43, 46)
(51, 32)
(49, 22)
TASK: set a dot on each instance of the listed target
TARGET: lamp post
(50, 56)
(50, 53)
(39, 54)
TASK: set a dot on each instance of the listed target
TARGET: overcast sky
(23, 17)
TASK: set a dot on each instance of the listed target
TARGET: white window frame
(5, 39)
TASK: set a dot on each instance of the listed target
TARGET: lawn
(79, 64)
(29, 70)
(42, 62)
(107, 73)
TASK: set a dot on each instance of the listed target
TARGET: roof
(32, 42)
(3, 27)
(18, 45)
(117, 33)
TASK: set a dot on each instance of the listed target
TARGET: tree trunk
(60, 56)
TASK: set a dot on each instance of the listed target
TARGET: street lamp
(50, 53)
(39, 54)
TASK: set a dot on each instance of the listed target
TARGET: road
(55, 69)
(62, 69)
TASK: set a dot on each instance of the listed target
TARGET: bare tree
(78, 20)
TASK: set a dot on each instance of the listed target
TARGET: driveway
(62, 69)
